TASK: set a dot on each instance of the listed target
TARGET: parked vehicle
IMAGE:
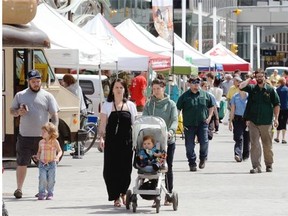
(269, 70)
(22, 50)
(92, 88)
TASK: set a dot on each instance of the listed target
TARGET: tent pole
(117, 69)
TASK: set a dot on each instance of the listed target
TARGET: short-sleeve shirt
(40, 104)
(138, 85)
(239, 103)
(194, 106)
(233, 90)
(261, 102)
(282, 91)
(107, 109)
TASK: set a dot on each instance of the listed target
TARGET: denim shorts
(25, 148)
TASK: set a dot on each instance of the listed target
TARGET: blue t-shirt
(282, 91)
(240, 104)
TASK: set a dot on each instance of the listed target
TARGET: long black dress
(118, 154)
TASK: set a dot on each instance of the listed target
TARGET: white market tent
(190, 54)
(102, 30)
(181, 67)
(141, 37)
(65, 37)
(127, 60)
(230, 62)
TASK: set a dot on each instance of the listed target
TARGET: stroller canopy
(149, 125)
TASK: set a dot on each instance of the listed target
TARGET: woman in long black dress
(116, 118)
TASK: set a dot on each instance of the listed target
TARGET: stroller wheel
(175, 201)
(134, 206)
(157, 201)
(128, 199)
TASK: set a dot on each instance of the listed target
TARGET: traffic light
(234, 48)
(237, 11)
(196, 44)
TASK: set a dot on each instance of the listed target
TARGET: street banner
(162, 12)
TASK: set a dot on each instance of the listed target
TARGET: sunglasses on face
(195, 82)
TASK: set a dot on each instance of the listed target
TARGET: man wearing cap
(34, 106)
(233, 89)
(263, 103)
(197, 109)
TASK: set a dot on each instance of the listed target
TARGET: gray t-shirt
(40, 104)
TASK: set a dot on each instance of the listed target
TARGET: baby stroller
(150, 183)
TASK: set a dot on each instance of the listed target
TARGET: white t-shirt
(107, 109)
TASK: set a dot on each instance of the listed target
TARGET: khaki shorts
(26, 147)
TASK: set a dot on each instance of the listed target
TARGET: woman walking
(116, 118)
(160, 105)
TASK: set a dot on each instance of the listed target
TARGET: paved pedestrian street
(223, 188)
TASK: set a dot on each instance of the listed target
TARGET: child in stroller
(150, 182)
(150, 155)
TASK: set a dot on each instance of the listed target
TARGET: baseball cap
(228, 76)
(34, 74)
(238, 78)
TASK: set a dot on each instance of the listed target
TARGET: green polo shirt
(260, 105)
(195, 107)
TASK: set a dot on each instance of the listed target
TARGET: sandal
(123, 197)
(167, 203)
(117, 203)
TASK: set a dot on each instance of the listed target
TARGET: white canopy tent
(181, 67)
(127, 60)
(65, 37)
(130, 56)
(190, 54)
(141, 37)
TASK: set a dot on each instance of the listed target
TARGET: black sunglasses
(197, 81)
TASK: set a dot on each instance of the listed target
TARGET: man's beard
(259, 81)
(34, 90)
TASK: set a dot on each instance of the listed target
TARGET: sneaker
(237, 158)
(255, 170)
(269, 169)
(41, 197)
(18, 194)
(193, 168)
(37, 195)
(284, 142)
(276, 140)
(49, 197)
(202, 164)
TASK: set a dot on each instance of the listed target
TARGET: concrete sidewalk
(223, 188)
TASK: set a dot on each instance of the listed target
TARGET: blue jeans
(201, 131)
(241, 138)
(169, 175)
(47, 173)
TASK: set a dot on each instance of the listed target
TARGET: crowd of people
(255, 104)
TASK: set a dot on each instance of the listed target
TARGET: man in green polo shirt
(197, 109)
(263, 102)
